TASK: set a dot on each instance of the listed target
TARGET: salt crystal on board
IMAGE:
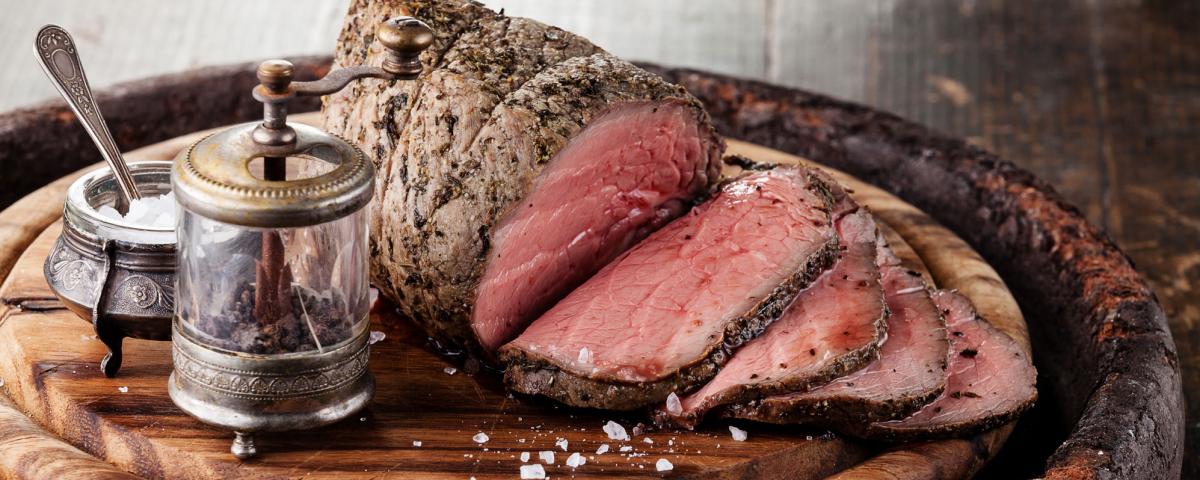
(626, 448)
(663, 465)
(416, 443)
(450, 370)
(575, 460)
(615, 431)
(561, 443)
(738, 434)
(648, 440)
(376, 337)
(546, 456)
(480, 437)
(532, 472)
(603, 449)
(524, 456)
(123, 389)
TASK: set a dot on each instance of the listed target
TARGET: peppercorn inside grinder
(271, 313)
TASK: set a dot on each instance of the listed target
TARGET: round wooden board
(48, 362)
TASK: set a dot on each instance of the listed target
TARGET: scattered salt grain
(450, 370)
(575, 460)
(561, 443)
(585, 356)
(362, 419)
(648, 440)
(546, 456)
(615, 431)
(524, 456)
(663, 465)
(738, 434)
(674, 407)
(532, 472)
(603, 449)
(416, 443)
(123, 389)
(480, 438)
(376, 337)
(626, 448)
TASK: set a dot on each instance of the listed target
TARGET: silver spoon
(60, 60)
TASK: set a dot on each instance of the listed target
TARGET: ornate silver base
(255, 393)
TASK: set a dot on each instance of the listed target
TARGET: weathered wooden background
(1099, 97)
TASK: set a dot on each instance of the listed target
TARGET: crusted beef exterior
(666, 316)
(832, 328)
(459, 148)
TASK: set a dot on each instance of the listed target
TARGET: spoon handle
(59, 58)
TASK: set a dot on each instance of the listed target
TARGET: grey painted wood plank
(716, 35)
(831, 47)
(132, 39)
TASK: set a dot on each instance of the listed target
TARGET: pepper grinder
(270, 325)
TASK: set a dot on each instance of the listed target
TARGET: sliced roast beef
(634, 168)
(521, 162)
(832, 328)
(910, 371)
(990, 381)
(665, 316)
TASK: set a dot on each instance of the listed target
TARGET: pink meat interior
(910, 361)
(665, 303)
(834, 316)
(627, 173)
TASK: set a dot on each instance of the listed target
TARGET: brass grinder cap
(213, 178)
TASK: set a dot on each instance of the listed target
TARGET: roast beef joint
(559, 213)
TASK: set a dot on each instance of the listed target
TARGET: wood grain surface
(1101, 98)
(47, 360)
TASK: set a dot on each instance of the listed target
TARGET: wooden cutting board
(48, 363)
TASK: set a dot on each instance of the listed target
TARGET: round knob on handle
(404, 38)
(275, 75)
